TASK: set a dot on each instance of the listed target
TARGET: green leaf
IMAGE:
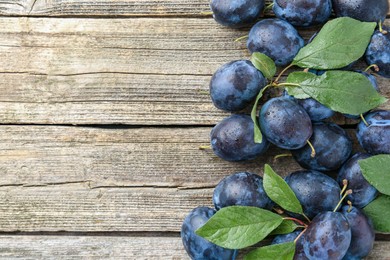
(258, 136)
(264, 64)
(378, 211)
(340, 42)
(237, 227)
(376, 170)
(342, 91)
(283, 251)
(297, 78)
(279, 191)
(287, 226)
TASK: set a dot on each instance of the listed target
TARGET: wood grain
(135, 157)
(83, 179)
(92, 247)
(194, 8)
(139, 71)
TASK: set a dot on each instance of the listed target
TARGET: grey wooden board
(91, 179)
(139, 71)
(153, 157)
(83, 179)
(113, 247)
(105, 8)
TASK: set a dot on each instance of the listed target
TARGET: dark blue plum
(303, 12)
(375, 138)
(243, 188)
(315, 109)
(234, 85)
(299, 252)
(362, 191)
(232, 139)
(363, 10)
(285, 123)
(197, 247)
(275, 38)
(285, 238)
(328, 236)
(378, 52)
(236, 13)
(316, 191)
(332, 146)
(362, 230)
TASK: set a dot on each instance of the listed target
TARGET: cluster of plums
(301, 126)
(347, 232)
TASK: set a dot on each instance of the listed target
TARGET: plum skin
(378, 52)
(362, 231)
(242, 188)
(332, 146)
(303, 12)
(362, 191)
(285, 123)
(363, 10)
(196, 246)
(232, 139)
(315, 191)
(275, 38)
(285, 238)
(236, 13)
(235, 84)
(375, 138)
(328, 236)
(315, 109)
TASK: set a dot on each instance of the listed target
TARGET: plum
(303, 12)
(196, 246)
(275, 38)
(232, 139)
(236, 13)
(362, 191)
(285, 123)
(235, 84)
(242, 188)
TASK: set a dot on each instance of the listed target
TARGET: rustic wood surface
(103, 108)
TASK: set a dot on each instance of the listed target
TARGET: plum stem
(350, 206)
(306, 217)
(376, 68)
(296, 220)
(383, 31)
(207, 13)
(282, 155)
(268, 7)
(281, 73)
(299, 236)
(313, 151)
(241, 38)
(341, 200)
(364, 120)
(345, 185)
(204, 147)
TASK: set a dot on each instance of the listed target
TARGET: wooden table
(102, 111)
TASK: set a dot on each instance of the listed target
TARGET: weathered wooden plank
(76, 247)
(114, 71)
(91, 179)
(164, 157)
(79, 208)
(106, 8)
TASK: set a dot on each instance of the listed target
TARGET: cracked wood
(139, 71)
(123, 247)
